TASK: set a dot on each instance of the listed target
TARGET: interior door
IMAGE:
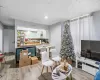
(6, 40)
(11, 40)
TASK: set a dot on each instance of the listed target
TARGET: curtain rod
(80, 17)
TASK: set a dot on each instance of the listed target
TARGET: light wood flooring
(33, 72)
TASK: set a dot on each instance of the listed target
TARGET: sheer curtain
(81, 29)
(74, 32)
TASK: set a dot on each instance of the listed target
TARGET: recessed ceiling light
(46, 17)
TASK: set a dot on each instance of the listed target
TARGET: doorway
(9, 39)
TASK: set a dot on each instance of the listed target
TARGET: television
(90, 49)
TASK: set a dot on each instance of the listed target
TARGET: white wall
(30, 24)
(23, 25)
(1, 37)
(55, 36)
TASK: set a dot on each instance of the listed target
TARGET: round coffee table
(62, 76)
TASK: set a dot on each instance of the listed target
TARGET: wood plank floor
(33, 72)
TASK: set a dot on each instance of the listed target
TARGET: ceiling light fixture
(46, 17)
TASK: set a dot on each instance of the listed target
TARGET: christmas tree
(67, 48)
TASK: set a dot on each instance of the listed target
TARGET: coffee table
(62, 75)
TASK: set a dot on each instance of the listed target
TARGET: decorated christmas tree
(67, 48)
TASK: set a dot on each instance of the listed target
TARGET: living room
(49, 40)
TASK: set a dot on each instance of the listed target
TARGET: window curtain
(75, 34)
(81, 29)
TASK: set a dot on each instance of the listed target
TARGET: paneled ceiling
(55, 10)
